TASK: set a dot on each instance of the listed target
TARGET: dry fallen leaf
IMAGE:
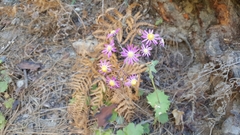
(105, 114)
(29, 65)
(84, 14)
(161, 11)
(178, 115)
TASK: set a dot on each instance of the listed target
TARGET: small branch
(25, 78)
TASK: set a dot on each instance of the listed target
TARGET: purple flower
(104, 67)
(109, 48)
(112, 82)
(146, 50)
(131, 54)
(161, 42)
(132, 80)
(113, 33)
(149, 37)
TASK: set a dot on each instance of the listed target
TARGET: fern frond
(96, 94)
(136, 68)
(131, 7)
(111, 18)
(137, 16)
(79, 110)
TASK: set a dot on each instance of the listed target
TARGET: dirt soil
(198, 67)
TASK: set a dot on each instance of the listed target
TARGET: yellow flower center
(113, 31)
(150, 36)
(104, 68)
(112, 83)
(133, 82)
(109, 48)
(145, 51)
(130, 54)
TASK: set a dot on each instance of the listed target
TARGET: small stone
(20, 83)
(213, 47)
(47, 105)
(77, 9)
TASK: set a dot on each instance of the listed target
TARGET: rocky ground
(199, 68)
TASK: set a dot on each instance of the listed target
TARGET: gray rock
(212, 46)
(230, 126)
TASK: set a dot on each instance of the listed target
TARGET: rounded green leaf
(3, 86)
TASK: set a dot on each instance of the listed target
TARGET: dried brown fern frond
(96, 94)
(79, 111)
(136, 68)
(113, 19)
(125, 106)
(131, 7)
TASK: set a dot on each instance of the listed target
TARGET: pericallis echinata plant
(110, 74)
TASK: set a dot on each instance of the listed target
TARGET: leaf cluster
(159, 101)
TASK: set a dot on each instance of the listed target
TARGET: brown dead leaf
(29, 65)
(161, 11)
(84, 14)
(178, 115)
(105, 114)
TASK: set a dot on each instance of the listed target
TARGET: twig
(102, 6)
(25, 78)
(146, 121)
(80, 19)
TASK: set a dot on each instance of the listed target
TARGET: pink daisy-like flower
(149, 37)
(113, 33)
(146, 50)
(112, 82)
(109, 48)
(131, 81)
(161, 42)
(131, 54)
(104, 67)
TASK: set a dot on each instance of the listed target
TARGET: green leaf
(73, 2)
(146, 128)
(159, 101)
(159, 21)
(114, 116)
(3, 86)
(102, 132)
(94, 87)
(72, 101)
(2, 121)
(120, 120)
(5, 76)
(4, 72)
(108, 132)
(94, 108)
(131, 129)
(8, 104)
(141, 92)
(151, 67)
(120, 132)
(163, 118)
